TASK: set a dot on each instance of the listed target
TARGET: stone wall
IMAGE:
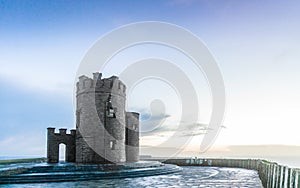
(53, 141)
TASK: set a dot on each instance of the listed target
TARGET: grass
(29, 160)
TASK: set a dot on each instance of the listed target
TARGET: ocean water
(188, 177)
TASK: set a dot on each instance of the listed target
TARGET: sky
(255, 43)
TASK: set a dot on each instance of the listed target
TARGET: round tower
(100, 120)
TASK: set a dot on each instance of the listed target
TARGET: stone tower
(105, 132)
(100, 120)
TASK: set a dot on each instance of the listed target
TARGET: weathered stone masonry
(54, 139)
(105, 132)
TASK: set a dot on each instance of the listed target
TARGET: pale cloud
(32, 143)
(42, 80)
(186, 130)
(6, 141)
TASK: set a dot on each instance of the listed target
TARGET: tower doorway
(62, 152)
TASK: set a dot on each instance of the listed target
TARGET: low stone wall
(271, 174)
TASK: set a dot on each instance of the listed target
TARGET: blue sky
(256, 44)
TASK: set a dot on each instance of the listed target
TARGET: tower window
(112, 144)
(111, 113)
(134, 127)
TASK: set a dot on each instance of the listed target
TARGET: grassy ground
(29, 160)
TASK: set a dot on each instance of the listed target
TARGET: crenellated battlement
(62, 131)
(98, 84)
